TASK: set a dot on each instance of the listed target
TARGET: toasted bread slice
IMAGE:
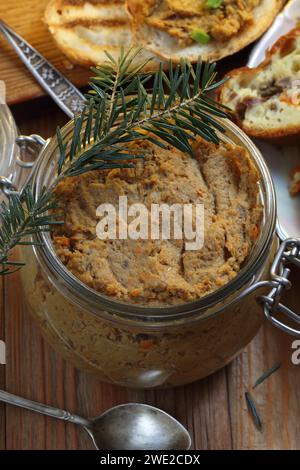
(168, 47)
(266, 100)
(84, 30)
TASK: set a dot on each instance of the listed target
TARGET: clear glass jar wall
(140, 346)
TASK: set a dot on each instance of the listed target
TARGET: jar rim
(83, 294)
(8, 148)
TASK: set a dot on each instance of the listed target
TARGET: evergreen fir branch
(20, 218)
(121, 108)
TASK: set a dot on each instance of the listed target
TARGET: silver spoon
(132, 426)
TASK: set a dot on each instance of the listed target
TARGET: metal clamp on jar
(287, 255)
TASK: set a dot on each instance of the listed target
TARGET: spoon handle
(43, 409)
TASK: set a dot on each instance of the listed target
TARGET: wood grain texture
(214, 410)
(26, 18)
(2, 367)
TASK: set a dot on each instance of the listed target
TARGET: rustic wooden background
(214, 409)
(25, 17)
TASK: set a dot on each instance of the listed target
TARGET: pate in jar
(150, 313)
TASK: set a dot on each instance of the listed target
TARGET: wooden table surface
(25, 17)
(214, 409)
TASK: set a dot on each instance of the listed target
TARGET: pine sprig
(121, 108)
(173, 111)
(20, 218)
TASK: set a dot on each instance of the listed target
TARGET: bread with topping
(176, 29)
(265, 100)
(85, 29)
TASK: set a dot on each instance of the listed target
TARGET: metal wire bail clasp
(30, 146)
(289, 253)
(7, 186)
(30, 151)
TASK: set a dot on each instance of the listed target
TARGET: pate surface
(160, 272)
(180, 18)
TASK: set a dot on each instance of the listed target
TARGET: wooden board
(26, 18)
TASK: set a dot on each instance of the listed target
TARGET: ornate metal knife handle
(63, 92)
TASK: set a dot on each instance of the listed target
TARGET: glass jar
(17, 153)
(9, 151)
(140, 346)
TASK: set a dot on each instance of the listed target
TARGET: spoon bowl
(135, 426)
